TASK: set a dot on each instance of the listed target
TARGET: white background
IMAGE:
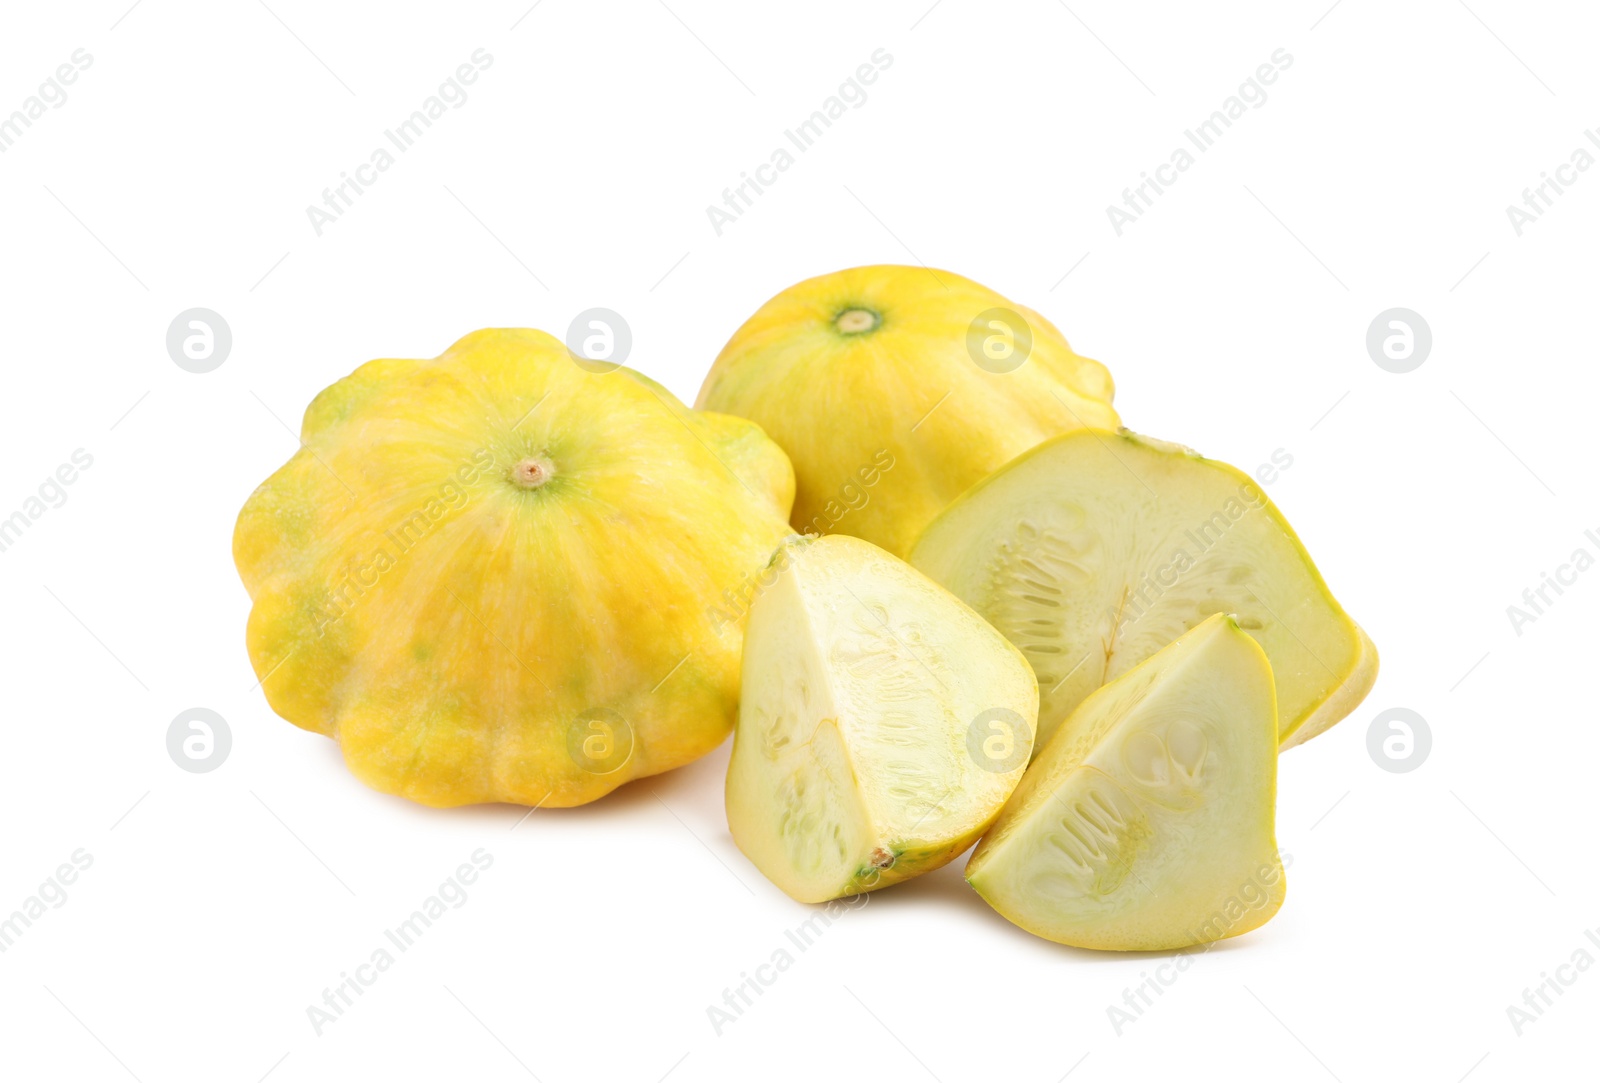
(1233, 315)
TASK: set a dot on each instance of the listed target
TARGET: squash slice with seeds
(1097, 549)
(1146, 823)
(882, 726)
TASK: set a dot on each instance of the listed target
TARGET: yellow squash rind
(886, 426)
(469, 638)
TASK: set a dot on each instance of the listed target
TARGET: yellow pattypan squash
(498, 576)
(894, 389)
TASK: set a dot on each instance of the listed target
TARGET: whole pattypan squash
(500, 576)
(894, 389)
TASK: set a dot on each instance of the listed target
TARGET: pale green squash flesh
(1097, 549)
(861, 678)
(1146, 823)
